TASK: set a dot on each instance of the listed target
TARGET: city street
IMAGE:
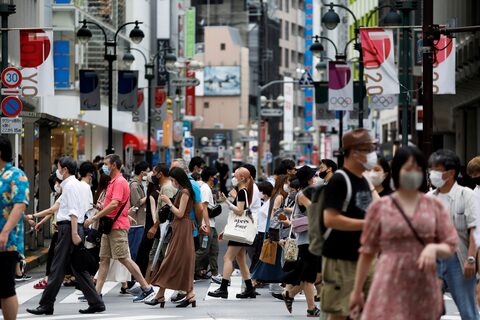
(121, 306)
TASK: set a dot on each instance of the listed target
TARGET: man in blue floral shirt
(14, 196)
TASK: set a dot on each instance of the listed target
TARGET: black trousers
(143, 255)
(61, 258)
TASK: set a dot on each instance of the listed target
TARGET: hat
(356, 137)
(304, 174)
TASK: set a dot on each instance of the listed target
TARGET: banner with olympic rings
(340, 86)
(382, 102)
(381, 73)
(444, 66)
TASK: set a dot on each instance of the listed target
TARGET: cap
(356, 137)
(304, 174)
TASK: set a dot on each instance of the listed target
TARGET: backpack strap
(349, 190)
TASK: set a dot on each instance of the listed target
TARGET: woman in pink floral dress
(405, 285)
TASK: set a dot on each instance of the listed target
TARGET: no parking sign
(11, 106)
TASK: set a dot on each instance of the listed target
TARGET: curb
(36, 258)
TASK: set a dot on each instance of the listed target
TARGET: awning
(139, 143)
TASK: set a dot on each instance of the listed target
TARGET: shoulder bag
(241, 228)
(269, 248)
(105, 223)
(290, 253)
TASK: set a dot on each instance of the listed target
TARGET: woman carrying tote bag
(244, 182)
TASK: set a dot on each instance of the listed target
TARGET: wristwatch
(471, 260)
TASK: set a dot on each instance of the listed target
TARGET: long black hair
(181, 177)
(386, 184)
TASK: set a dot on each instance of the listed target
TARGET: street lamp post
(84, 35)
(170, 60)
(331, 20)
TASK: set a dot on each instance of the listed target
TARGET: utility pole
(427, 76)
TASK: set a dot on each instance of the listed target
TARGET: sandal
(288, 301)
(315, 312)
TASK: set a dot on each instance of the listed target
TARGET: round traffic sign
(11, 77)
(11, 106)
(254, 148)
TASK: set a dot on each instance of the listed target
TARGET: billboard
(222, 81)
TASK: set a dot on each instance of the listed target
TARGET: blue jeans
(463, 290)
(135, 235)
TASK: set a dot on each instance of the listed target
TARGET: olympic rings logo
(344, 102)
(382, 100)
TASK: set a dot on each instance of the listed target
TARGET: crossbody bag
(105, 224)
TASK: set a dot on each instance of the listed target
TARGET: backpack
(317, 232)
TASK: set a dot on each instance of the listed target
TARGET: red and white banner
(444, 67)
(36, 59)
(190, 95)
(381, 74)
(340, 86)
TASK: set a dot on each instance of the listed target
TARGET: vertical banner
(288, 112)
(190, 96)
(162, 73)
(89, 90)
(381, 74)
(190, 33)
(444, 66)
(168, 130)
(127, 90)
(138, 115)
(383, 102)
(181, 35)
(340, 86)
(159, 106)
(309, 93)
(163, 24)
(36, 59)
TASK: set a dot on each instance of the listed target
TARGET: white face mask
(59, 175)
(436, 178)
(286, 188)
(57, 188)
(371, 161)
(234, 182)
(375, 177)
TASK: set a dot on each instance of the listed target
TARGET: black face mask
(476, 180)
(155, 180)
(322, 174)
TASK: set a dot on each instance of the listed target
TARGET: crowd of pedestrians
(395, 235)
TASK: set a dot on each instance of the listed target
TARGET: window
(286, 58)
(294, 4)
(301, 58)
(281, 58)
(294, 57)
(294, 29)
(222, 46)
(206, 105)
(287, 27)
(281, 28)
(287, 5)
(280, 6)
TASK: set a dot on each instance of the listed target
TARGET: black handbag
(105, 224)
(164, 213)
(83, 260)
(93, 236)
(214, 211)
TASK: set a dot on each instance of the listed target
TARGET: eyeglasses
(366, 150)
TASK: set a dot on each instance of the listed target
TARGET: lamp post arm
(376, 9)
(346, 46)
(346, 8)
(123, 26)
(329, 40)
(143, 54)
(84, 21)
(271, 83)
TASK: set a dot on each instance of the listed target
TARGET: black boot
(221, 292)
(249, 291)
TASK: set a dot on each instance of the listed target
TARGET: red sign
(11, 77)
(190, 96)
(160, 97)
(35, 47)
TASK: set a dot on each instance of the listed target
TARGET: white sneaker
(236, 273)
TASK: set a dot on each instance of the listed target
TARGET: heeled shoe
(154, 302)
(188, 301)
(288, 301)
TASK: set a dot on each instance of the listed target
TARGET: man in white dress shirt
(70, 217)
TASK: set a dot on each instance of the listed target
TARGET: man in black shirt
(223, 170)
(340, 251)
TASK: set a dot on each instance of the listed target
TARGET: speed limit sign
(11, 77)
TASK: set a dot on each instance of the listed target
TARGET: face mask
(371, 161)
(215, 181)
(322, 174)
(286, 188)
(59, 175)
(57, 188)
(411, 180)
(144, 178)
(436, 178)
(234, 182)
(376, 178)
(106, 169)
(476, 180)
